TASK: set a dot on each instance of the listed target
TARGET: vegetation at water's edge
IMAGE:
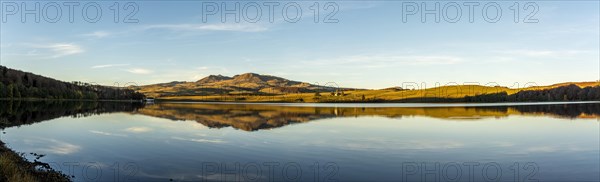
(253, 87)
(15, 84)
(563, 93)
(15, 167)
(449, 94)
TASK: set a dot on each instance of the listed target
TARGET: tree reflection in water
(252, 117)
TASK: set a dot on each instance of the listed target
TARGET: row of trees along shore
(16, 84)
(563, 93)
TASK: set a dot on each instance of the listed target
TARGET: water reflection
(365, 143)
(16, 113)
(251, 117)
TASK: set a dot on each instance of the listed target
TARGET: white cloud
(138, 129)
(141, 71)
(56, 50)
(65, 49)
(198, 140)
(540, 149)
(107, 133)
(108, 66)
(238, 27)
(54, 146)
(45, 50)
(544, 53)
(404, 145)
(64, 148)
(97, 34)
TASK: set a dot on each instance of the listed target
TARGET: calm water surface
(260, 142)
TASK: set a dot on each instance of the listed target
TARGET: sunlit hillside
(252, 87)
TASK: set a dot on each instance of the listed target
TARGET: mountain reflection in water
(252, 117)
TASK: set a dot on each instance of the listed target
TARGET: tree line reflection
(17, 113)
(252, 117)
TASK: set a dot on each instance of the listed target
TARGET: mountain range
(242, 84)
(253, 87)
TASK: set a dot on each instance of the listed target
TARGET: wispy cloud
(237, 27)
(108, 66)
(64, 148)
(107, 133)
(54, 146)
(56, 50)
(141, 71)
(97, 34)
(198, 140)
(544, 53)
(138, 129)
(65, 49)
(378, 143)
(540, 149)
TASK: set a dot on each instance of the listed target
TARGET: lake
(112, 141)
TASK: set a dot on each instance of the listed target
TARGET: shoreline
(380, 102)
(388, 104)
(85, 100)
(16, 168)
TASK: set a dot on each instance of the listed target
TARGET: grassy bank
(15, 167)
(443, 94)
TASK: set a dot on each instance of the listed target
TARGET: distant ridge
(213, 78)
(246, 83)
(251, 86)
(246, 78)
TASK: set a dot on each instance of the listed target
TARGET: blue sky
(369, 47)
